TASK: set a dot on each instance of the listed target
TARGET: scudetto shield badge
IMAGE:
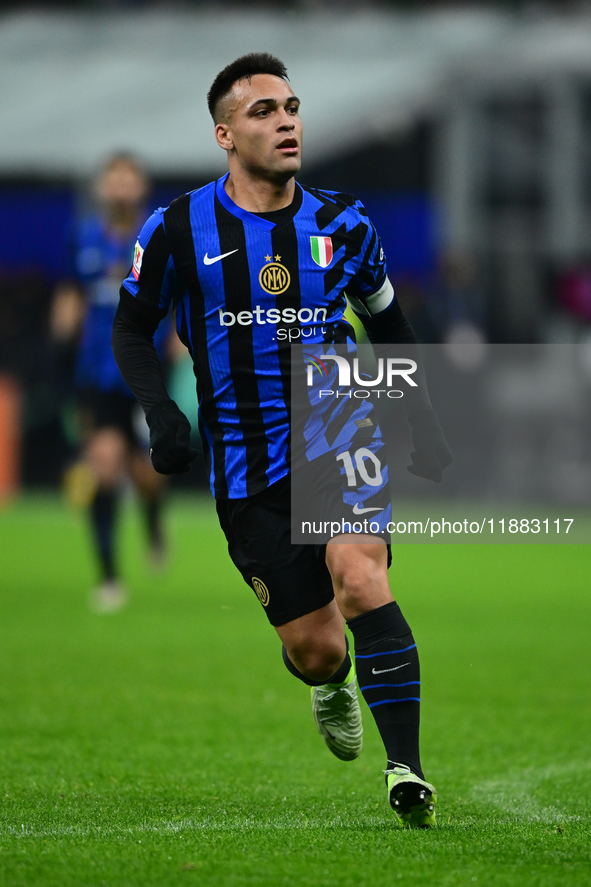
(321, 250)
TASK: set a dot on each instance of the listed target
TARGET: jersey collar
(242, 214)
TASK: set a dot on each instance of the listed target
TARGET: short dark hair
(246, 66)
(127, 157)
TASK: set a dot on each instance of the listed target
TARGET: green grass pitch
(166, 744)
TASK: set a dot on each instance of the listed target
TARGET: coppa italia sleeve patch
(138, 255)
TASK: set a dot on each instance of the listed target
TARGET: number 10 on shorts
(360, 456)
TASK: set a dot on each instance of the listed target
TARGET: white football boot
(338, 717)
(109, 597)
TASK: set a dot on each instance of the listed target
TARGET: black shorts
(107, 409)
(289, 580)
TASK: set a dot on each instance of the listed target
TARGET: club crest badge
(274, 277)
(261, 590)
(321, 250)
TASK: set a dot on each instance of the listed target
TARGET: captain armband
(375, 303)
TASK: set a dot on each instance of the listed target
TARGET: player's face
(262, 128)
(122, 185)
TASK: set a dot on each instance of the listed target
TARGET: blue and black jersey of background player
(99, 258)
(245, 285)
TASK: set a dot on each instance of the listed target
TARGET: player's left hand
(431, 453)
(170, 438)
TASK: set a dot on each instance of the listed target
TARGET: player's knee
(353, 577)
(318, 663)
(106, 453)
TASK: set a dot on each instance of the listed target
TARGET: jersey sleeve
(369, 291)
(145, 296)
(152, 277)
(71, 264)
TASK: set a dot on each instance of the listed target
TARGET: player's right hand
(170, 438)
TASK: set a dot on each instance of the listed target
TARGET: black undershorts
(289, 580)
(107, 409)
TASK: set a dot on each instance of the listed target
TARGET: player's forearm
(133, 347)
(391, 327)
(66, 313)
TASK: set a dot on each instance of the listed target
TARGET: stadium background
(465, 130)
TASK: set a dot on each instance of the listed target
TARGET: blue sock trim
(384, 701)
(389, 653)
(377, 686)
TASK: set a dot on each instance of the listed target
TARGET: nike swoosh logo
(208, 261)
(383, 670)
(358, 510)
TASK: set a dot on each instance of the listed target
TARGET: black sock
(338, 677)
(387, 665)
(152, 510)
(102, 513)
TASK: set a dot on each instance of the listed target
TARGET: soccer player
(251, 262)
(82, 314)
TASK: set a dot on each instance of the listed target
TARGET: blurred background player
(110, 430)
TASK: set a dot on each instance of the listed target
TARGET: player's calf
(387, 665)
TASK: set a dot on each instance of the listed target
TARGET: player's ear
(223, 136)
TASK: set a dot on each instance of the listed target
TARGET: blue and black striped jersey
(245, 287)
(99, 257)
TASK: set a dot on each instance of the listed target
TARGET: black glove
(431, 453)
(170, 438)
